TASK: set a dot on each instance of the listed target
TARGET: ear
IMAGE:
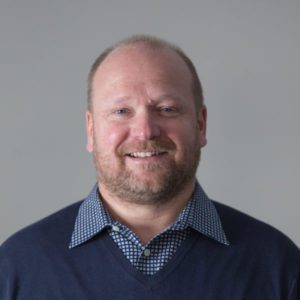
(202, 123)
(89, 131)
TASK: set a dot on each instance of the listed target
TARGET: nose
(145, 126)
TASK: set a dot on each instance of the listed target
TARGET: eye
(169, 110)
(121, 111)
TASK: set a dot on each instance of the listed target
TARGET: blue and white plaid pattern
(200, 214)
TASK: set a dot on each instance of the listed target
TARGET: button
(116, 228)
(147, 252)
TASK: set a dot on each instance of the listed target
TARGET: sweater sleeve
(8, 286)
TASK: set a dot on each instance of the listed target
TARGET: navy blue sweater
(260, 263)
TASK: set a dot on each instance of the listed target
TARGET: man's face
(143, 130)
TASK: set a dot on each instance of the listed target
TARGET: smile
(146, 154)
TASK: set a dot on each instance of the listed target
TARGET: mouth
(145, 154)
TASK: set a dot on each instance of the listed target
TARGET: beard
(166, 177)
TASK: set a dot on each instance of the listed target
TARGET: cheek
(183, 135)
(111, 137)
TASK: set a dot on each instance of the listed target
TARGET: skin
(142, 102)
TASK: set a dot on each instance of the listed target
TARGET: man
(147, 230)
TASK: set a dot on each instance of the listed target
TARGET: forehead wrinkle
(143, 94)
(168, 96)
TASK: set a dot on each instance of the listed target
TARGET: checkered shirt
(199, 214)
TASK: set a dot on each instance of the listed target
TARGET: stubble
(165, 180)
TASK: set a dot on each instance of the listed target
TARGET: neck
(146, 221)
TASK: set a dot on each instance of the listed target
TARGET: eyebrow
(153, 101)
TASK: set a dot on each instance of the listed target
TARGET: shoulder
(258, 246)
(245, 230)
(55, 229)
(28, 256)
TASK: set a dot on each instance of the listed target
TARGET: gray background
(247, 56)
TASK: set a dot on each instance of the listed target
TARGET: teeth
(145, 154)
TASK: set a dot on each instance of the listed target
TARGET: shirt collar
(92, 218)
(204, 217)
(199, 214)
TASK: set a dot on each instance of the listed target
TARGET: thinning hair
(153, 43)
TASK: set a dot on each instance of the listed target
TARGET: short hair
(154, 43)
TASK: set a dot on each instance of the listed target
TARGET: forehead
(133, 64)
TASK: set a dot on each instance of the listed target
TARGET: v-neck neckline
(158, 277)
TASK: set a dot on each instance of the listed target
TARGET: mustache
(151, 145)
